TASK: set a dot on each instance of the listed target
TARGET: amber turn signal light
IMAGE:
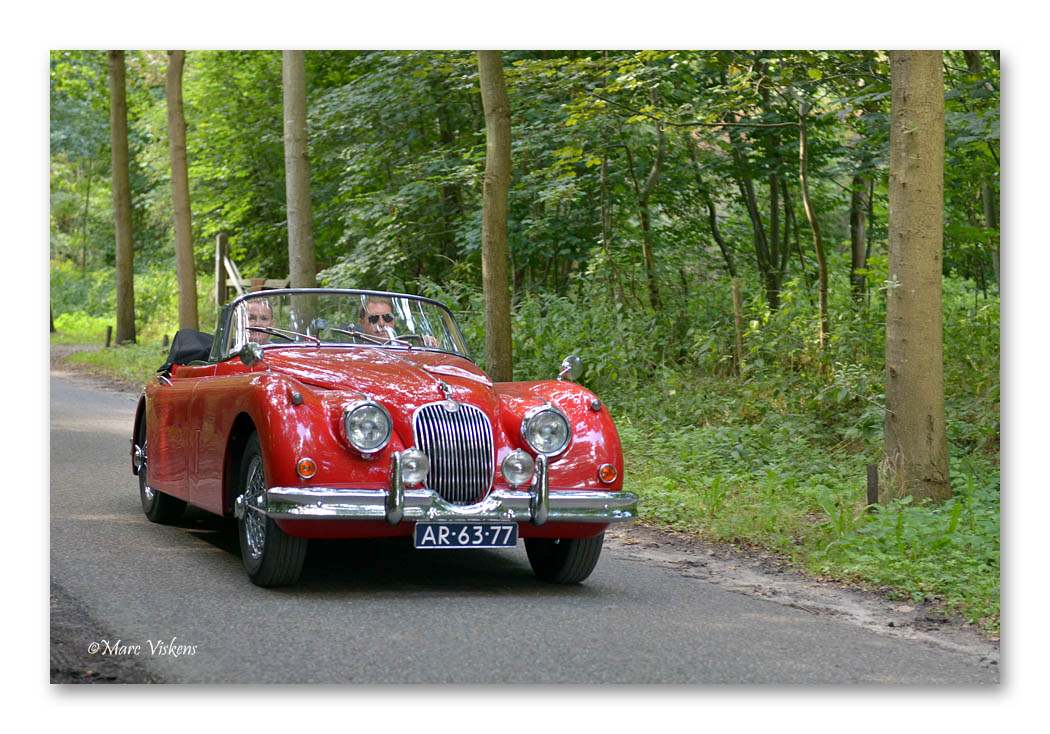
(607, 473)
(306, 468)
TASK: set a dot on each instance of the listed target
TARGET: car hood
(403, 377)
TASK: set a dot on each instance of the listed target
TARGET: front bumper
(537, 504)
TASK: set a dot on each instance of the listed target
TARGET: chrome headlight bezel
(530, 425)
(359, 410)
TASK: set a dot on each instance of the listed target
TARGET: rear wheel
(158, 507)
(271, 557)
(564, 560)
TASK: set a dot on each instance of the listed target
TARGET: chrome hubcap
(255, 508)
(142, 465)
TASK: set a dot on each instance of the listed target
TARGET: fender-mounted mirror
(251, 353)
(571, 368)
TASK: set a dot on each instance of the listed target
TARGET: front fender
(595, 440)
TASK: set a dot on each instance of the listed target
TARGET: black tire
(271, 557)
(564, 560)
(159, 507)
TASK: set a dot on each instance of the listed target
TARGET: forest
(708, 230)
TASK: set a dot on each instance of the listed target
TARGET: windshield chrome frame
(223, 325)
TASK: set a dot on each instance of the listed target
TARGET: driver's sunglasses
(374, 318)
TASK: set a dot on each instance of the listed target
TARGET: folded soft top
(188, 346)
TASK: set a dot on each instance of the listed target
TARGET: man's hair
(375, 299)
(263, 301)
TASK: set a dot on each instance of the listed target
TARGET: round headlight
(368, 426)
(546, 430)
(517, 468)
(414, 466)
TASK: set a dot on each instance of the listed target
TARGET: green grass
(133, 363)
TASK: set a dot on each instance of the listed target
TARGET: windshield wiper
(284, 333)
(371, 337)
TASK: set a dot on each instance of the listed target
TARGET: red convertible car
(327, 413)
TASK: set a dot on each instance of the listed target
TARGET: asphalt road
(177, 600)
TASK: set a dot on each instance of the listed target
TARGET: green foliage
(85, 302)
(131, 363)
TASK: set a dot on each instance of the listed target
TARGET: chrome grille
(459, 446)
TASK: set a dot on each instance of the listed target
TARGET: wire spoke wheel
(254, 499)
(271, 557)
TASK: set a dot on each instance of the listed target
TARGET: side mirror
(251, 353)
(571, 368)
(318, 325)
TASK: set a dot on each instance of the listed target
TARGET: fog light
(306, 468)
(517, 468)
(607, 473)
(414, 466)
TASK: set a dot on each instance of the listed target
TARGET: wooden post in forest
(873, 486)
(221, 248)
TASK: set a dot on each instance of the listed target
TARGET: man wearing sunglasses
(377, 317)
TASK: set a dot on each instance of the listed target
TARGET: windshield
(327, 317)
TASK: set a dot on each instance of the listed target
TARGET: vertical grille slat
(459, 445)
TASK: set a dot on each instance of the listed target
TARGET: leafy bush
(84, 302)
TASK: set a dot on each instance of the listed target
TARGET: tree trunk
(498, 356)
(858, 226)
(90, 169)
(180, 193)
(712, 217)
(118, 132)
(302, 265)
(645, 214)
(818, 243)
(915, 454)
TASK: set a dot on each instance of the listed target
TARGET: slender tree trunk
(818, 243)
(712, 217)
(302, 265)
(858, 236)
(498, 352)
(645, 214)
(180, 192)
(87, 187)
(606, 214)
(118, 131)
(915, 454)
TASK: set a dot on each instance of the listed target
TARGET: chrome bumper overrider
(536, 504)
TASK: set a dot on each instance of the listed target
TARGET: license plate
(466, 535)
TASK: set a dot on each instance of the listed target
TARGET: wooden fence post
(873, 486)
(109, 336)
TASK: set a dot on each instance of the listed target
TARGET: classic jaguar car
(329, 413)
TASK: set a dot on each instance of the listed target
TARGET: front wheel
(564, 560)
(271, 557)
